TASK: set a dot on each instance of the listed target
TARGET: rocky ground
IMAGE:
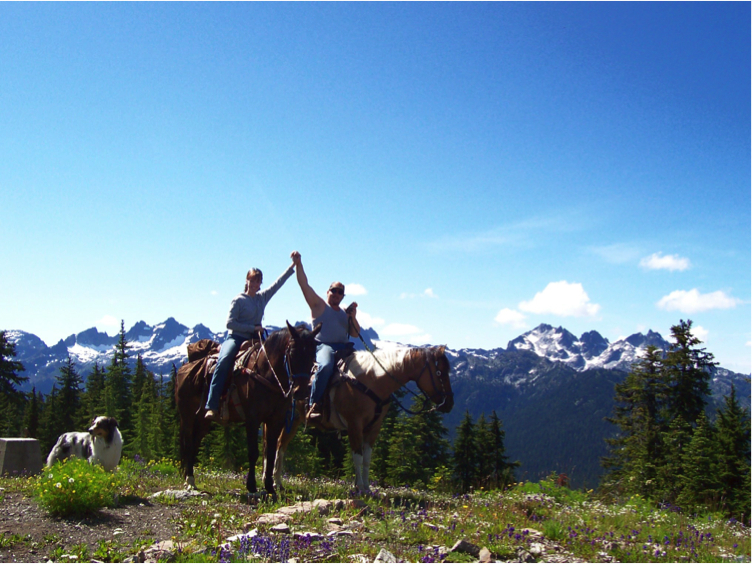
(125, 525)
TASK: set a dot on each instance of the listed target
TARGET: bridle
(286, 360)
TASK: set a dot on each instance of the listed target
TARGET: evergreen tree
(465, 456)
(93, 401)
(118, 387)
(675, 440)
(417, 448)
(49, 421)
(641, 414)
(67, 402)
(144, 429)
(31, 415)
(379, 471)
(172, 418)
(699, 486)
(12, 400)
(501, 470)
(733, 456)
(688, 368)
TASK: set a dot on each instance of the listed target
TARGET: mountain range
(550, 388)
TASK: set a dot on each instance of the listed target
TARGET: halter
(286, 360)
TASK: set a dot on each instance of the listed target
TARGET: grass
(415, 526)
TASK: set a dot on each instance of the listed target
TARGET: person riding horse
(243, 322)
(338, 325)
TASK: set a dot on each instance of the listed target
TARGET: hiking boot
(211, 415)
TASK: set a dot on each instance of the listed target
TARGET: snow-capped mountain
(591, 350)
(163, 345)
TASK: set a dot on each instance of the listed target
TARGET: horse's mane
(277, 338)
(364, 361)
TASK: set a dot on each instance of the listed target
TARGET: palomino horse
(263, 388)
(360, 409)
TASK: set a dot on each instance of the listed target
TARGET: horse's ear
(317, 329)
(292, 330)
(440, 350)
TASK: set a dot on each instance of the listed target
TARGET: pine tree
(688, 368)
(144, 428)
(733, 456)
(465, 455)
(675, 441)
(502, 471)
(49, 421)
(118, 388)
(68, 401)
(699, 485)
(640, 413)
(12, 400)
(93, 401)
(417, 448)
(379, 470)
(31, 415)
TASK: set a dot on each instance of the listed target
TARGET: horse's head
(434, 379)
(301, 354)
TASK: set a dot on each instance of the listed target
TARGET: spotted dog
(102, 444)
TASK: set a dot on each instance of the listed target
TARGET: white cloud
(618, 253)
(693, 301)
(700, 332)
(365, 320)
(511, 317)
(109, 321)
(562, 299)
(657, 261)
(355, 290)
(427, 293)
(401, 329)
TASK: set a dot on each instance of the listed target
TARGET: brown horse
(264, 390)
(360, 408)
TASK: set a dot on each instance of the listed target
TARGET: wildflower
(58, 485)
(71, 480)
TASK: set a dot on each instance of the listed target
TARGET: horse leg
(275, 429)
(252, 429)
(355, 433)
(283, 442)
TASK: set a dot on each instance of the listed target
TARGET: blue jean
(325, 367)
(227, 353)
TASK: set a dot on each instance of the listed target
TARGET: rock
(485, 555)
(178, 495)
(385, 556)
(341, 534)
(272, 519)
(164, 550)
(248, 535)
(282, 528)
(524, 556)
(466, 548)
(335, 521)
(536, 549)
(311, 536)
(324, 506)
(431, 526)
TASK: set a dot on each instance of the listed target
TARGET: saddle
(206, 352)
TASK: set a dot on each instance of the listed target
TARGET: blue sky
(468, 170)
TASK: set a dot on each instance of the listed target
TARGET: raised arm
(315, 302)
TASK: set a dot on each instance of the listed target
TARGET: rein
(426, 398)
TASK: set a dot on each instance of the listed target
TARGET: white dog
(103, 444)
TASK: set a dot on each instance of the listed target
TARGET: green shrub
(75, 487)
